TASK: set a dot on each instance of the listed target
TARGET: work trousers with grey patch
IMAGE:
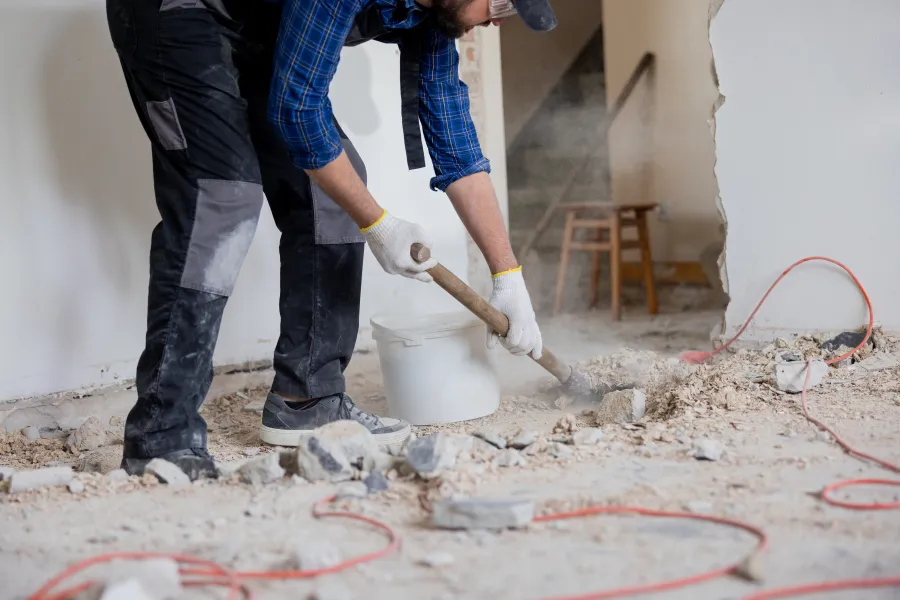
(198, 72)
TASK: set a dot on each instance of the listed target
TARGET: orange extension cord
(199, 572)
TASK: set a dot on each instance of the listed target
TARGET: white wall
(807, 147)
(674, 166)
(78, 205)
(533, 63)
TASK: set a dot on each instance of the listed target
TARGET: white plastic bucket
(436, 368)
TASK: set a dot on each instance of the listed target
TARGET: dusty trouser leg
(321, 270)
(177, 63)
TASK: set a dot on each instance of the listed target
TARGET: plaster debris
(168, 473)
(262, 470)
(566, 424)
(623, 406)
(22, 481)
(523, 439)
(510, 458)
(375, 482)
(482, 514)
(313, 554)
(699, 507)
(437, 559)
(708, 450)
(337, 452)
(117, 475)
(6, 472)
(31, 433)
(491, 437)
(791, 376)
(76, 486)
(89, 436)
(880, 362)
(823, 436)
(352, 489)
(429, 456)
(590, 436)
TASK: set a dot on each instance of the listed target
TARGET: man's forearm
(474, 199)
(343, 185)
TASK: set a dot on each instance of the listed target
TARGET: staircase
(541, 159)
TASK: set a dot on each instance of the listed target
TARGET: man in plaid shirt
(233, 95)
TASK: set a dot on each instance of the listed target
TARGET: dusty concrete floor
(774, 465)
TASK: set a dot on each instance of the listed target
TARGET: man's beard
(449, 14)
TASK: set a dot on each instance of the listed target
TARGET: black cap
(537, 14)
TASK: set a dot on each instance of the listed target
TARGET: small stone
(492, 437)
(336, 452)
(510, 458)
(352, 489)
(708, 450)
(297, 480)
(331, 589)
(6, 473)
(130, 589)
(433, 454)
(375, 482)
(167, 473)
(22, 481)
(254, 406)
(823, 436)
(622, 406)
(251, 452)
(313, 555)
(160, 577)
(523, 439)
(437, 559)
(76, 487)
(699, 507)
(263, 470)
(566, 424)
(789, 433)
(559, 450)
(117, 475)
(789, 357)
(791, 377)
(590, 436)
(781, 343)
(31, 433)
(482, 514)
(89, 436)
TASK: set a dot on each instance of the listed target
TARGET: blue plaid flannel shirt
(312, 36)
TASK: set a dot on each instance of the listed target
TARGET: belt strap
(410, 54)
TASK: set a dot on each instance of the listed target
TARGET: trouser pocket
(332, 223)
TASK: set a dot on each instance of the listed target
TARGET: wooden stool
(611, 218)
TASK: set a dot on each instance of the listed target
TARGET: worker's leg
(177, 62)
(321, 270)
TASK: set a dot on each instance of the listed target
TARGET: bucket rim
(422, 325)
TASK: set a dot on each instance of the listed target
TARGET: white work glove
(390, 240)
(511, 298)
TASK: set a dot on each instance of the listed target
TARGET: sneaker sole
(292, 437)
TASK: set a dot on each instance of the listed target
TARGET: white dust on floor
(773, 466)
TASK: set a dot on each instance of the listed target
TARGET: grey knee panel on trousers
(224, 225)
(333, 224)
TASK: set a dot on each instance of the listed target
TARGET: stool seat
(607, 220)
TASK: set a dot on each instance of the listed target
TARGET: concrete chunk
(433, 454)
(336, 451)
(791, 376)
(482, 514)
(491, 437)
(117, 475)
(31, 433)
(880, 362)
(590, 436)
(6, 473)
(158, 577)
(510, 458)
(22, 481)
(523, 439)
(622, 406)
(168, 473)
(130, 589)
(708, 450)
(262, 470)
(89, 436)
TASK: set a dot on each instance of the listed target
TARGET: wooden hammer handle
(482, 309)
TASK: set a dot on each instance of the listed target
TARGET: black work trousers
(198, 72)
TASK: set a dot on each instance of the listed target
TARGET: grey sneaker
(283, 425)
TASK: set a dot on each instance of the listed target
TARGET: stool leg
(615, 266)
(647, 262)
(564, 261)
(595, 271)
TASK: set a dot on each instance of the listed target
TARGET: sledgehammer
(574, 382)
